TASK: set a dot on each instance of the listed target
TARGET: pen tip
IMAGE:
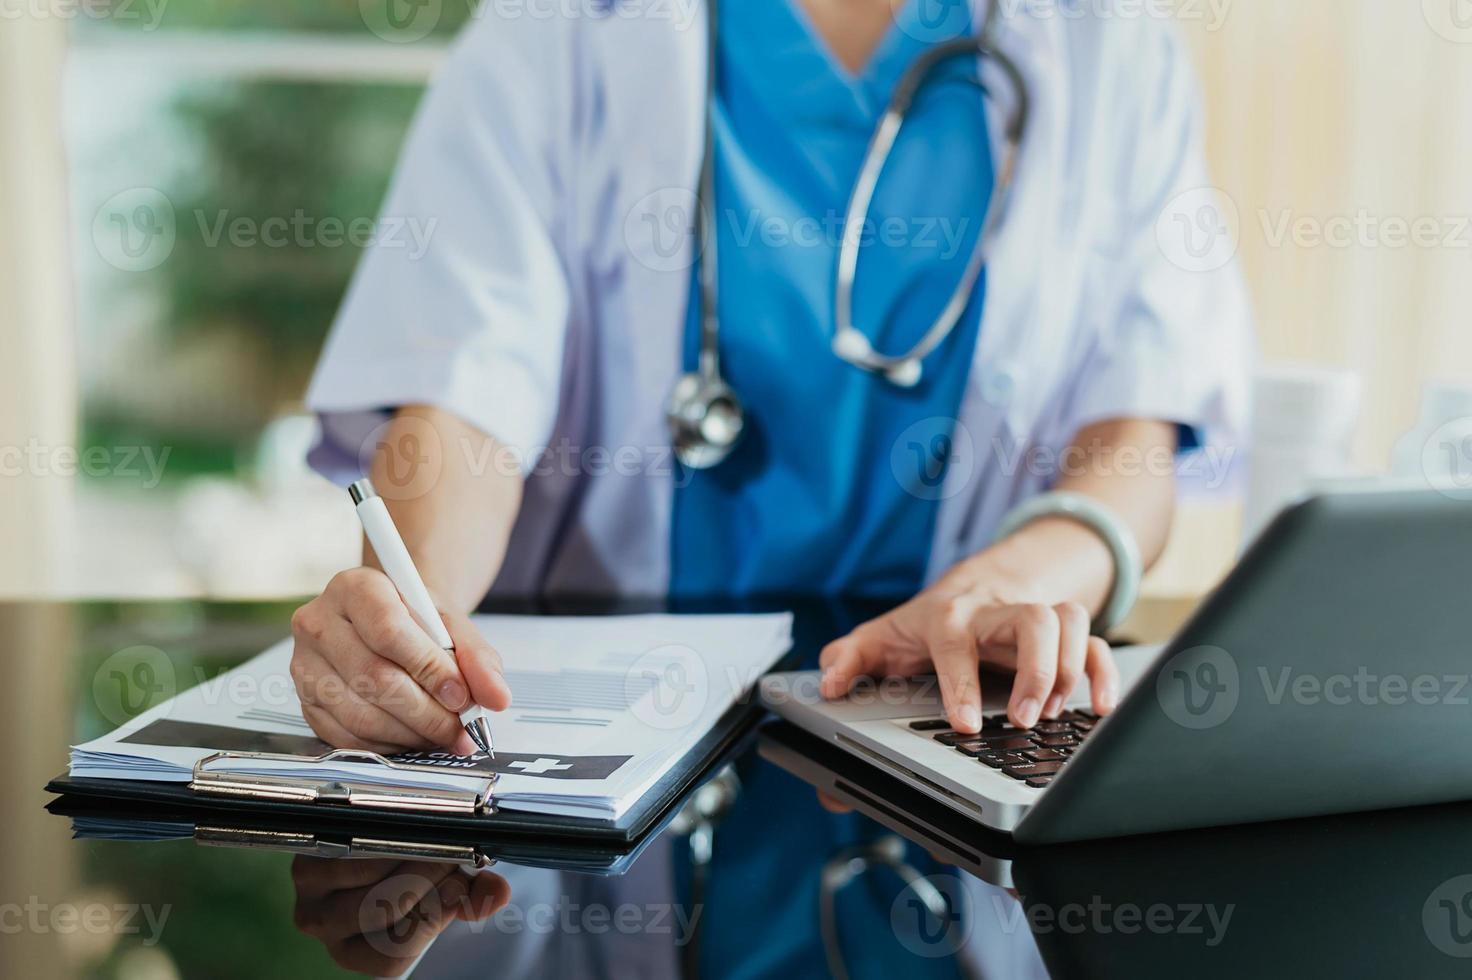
(480, 733)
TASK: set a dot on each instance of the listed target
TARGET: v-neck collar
(783, 59)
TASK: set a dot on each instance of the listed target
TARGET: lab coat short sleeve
(469, 316)
(1173, 338)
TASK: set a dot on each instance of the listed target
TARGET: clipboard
(334, 833)
(220, 782)
(212, 790)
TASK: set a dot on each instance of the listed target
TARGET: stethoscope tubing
(697, 393)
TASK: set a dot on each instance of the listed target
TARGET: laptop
(1331, 672)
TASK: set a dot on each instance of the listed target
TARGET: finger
(385, 683)
(1036, 634)
(1103, 676)
(313, 877)
(453, 892)
(337, 913)
(489, 894)
(847, 659)
(358, 955)
(391, 953)
(366, 724)
(1073, 649)
(407, 929)
(386, 905)
(381, 619)
(471, 896)
(381, 905)
(345, 717)
(832, 803)
(331, 731)
(479, 664)
(953, 650)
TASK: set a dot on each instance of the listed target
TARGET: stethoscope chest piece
(852, 346)
(706, 420)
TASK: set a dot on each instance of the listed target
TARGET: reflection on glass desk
(1373, 894)
(900, 887)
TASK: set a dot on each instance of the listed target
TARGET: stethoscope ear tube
(704, 415)
(904, 369)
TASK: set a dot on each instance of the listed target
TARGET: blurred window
(227, 163)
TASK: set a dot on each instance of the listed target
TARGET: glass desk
(756, 878)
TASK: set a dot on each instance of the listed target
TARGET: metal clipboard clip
(291, 789)
(356, 847)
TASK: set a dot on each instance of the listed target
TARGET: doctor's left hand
(955, 631)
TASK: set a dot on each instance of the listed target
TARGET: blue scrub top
(826, 493)
(815, 498)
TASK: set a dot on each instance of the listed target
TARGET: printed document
(603, 707)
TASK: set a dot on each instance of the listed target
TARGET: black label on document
(220, 738)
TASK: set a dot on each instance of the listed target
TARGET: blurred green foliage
(301, 156)
(339, 16)
(260, 150)
(236, 921)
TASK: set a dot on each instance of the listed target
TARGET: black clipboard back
(724, 738)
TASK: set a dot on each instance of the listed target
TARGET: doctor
(996, 445)
(510, 388)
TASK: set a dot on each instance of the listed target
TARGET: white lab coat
(545, 312)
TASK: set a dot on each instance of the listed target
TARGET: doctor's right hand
(369, 677)
(376, 916)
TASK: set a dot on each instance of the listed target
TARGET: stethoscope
(705, 414)
(707, 808)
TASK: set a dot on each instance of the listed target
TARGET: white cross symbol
(540, 766)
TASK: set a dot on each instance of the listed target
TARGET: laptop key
(1038, 782)
(1053, 728)
(960, 738)
(1005, 743)
(930, 725)
(1045, 755)
(1056, 741)
(997, 760)
(1032, 769)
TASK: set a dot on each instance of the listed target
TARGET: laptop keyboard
(1032, 755)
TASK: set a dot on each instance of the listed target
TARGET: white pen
(399, 567)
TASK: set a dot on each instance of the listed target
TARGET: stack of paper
(603, 708)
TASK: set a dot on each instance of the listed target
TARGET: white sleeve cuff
(495, 395)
